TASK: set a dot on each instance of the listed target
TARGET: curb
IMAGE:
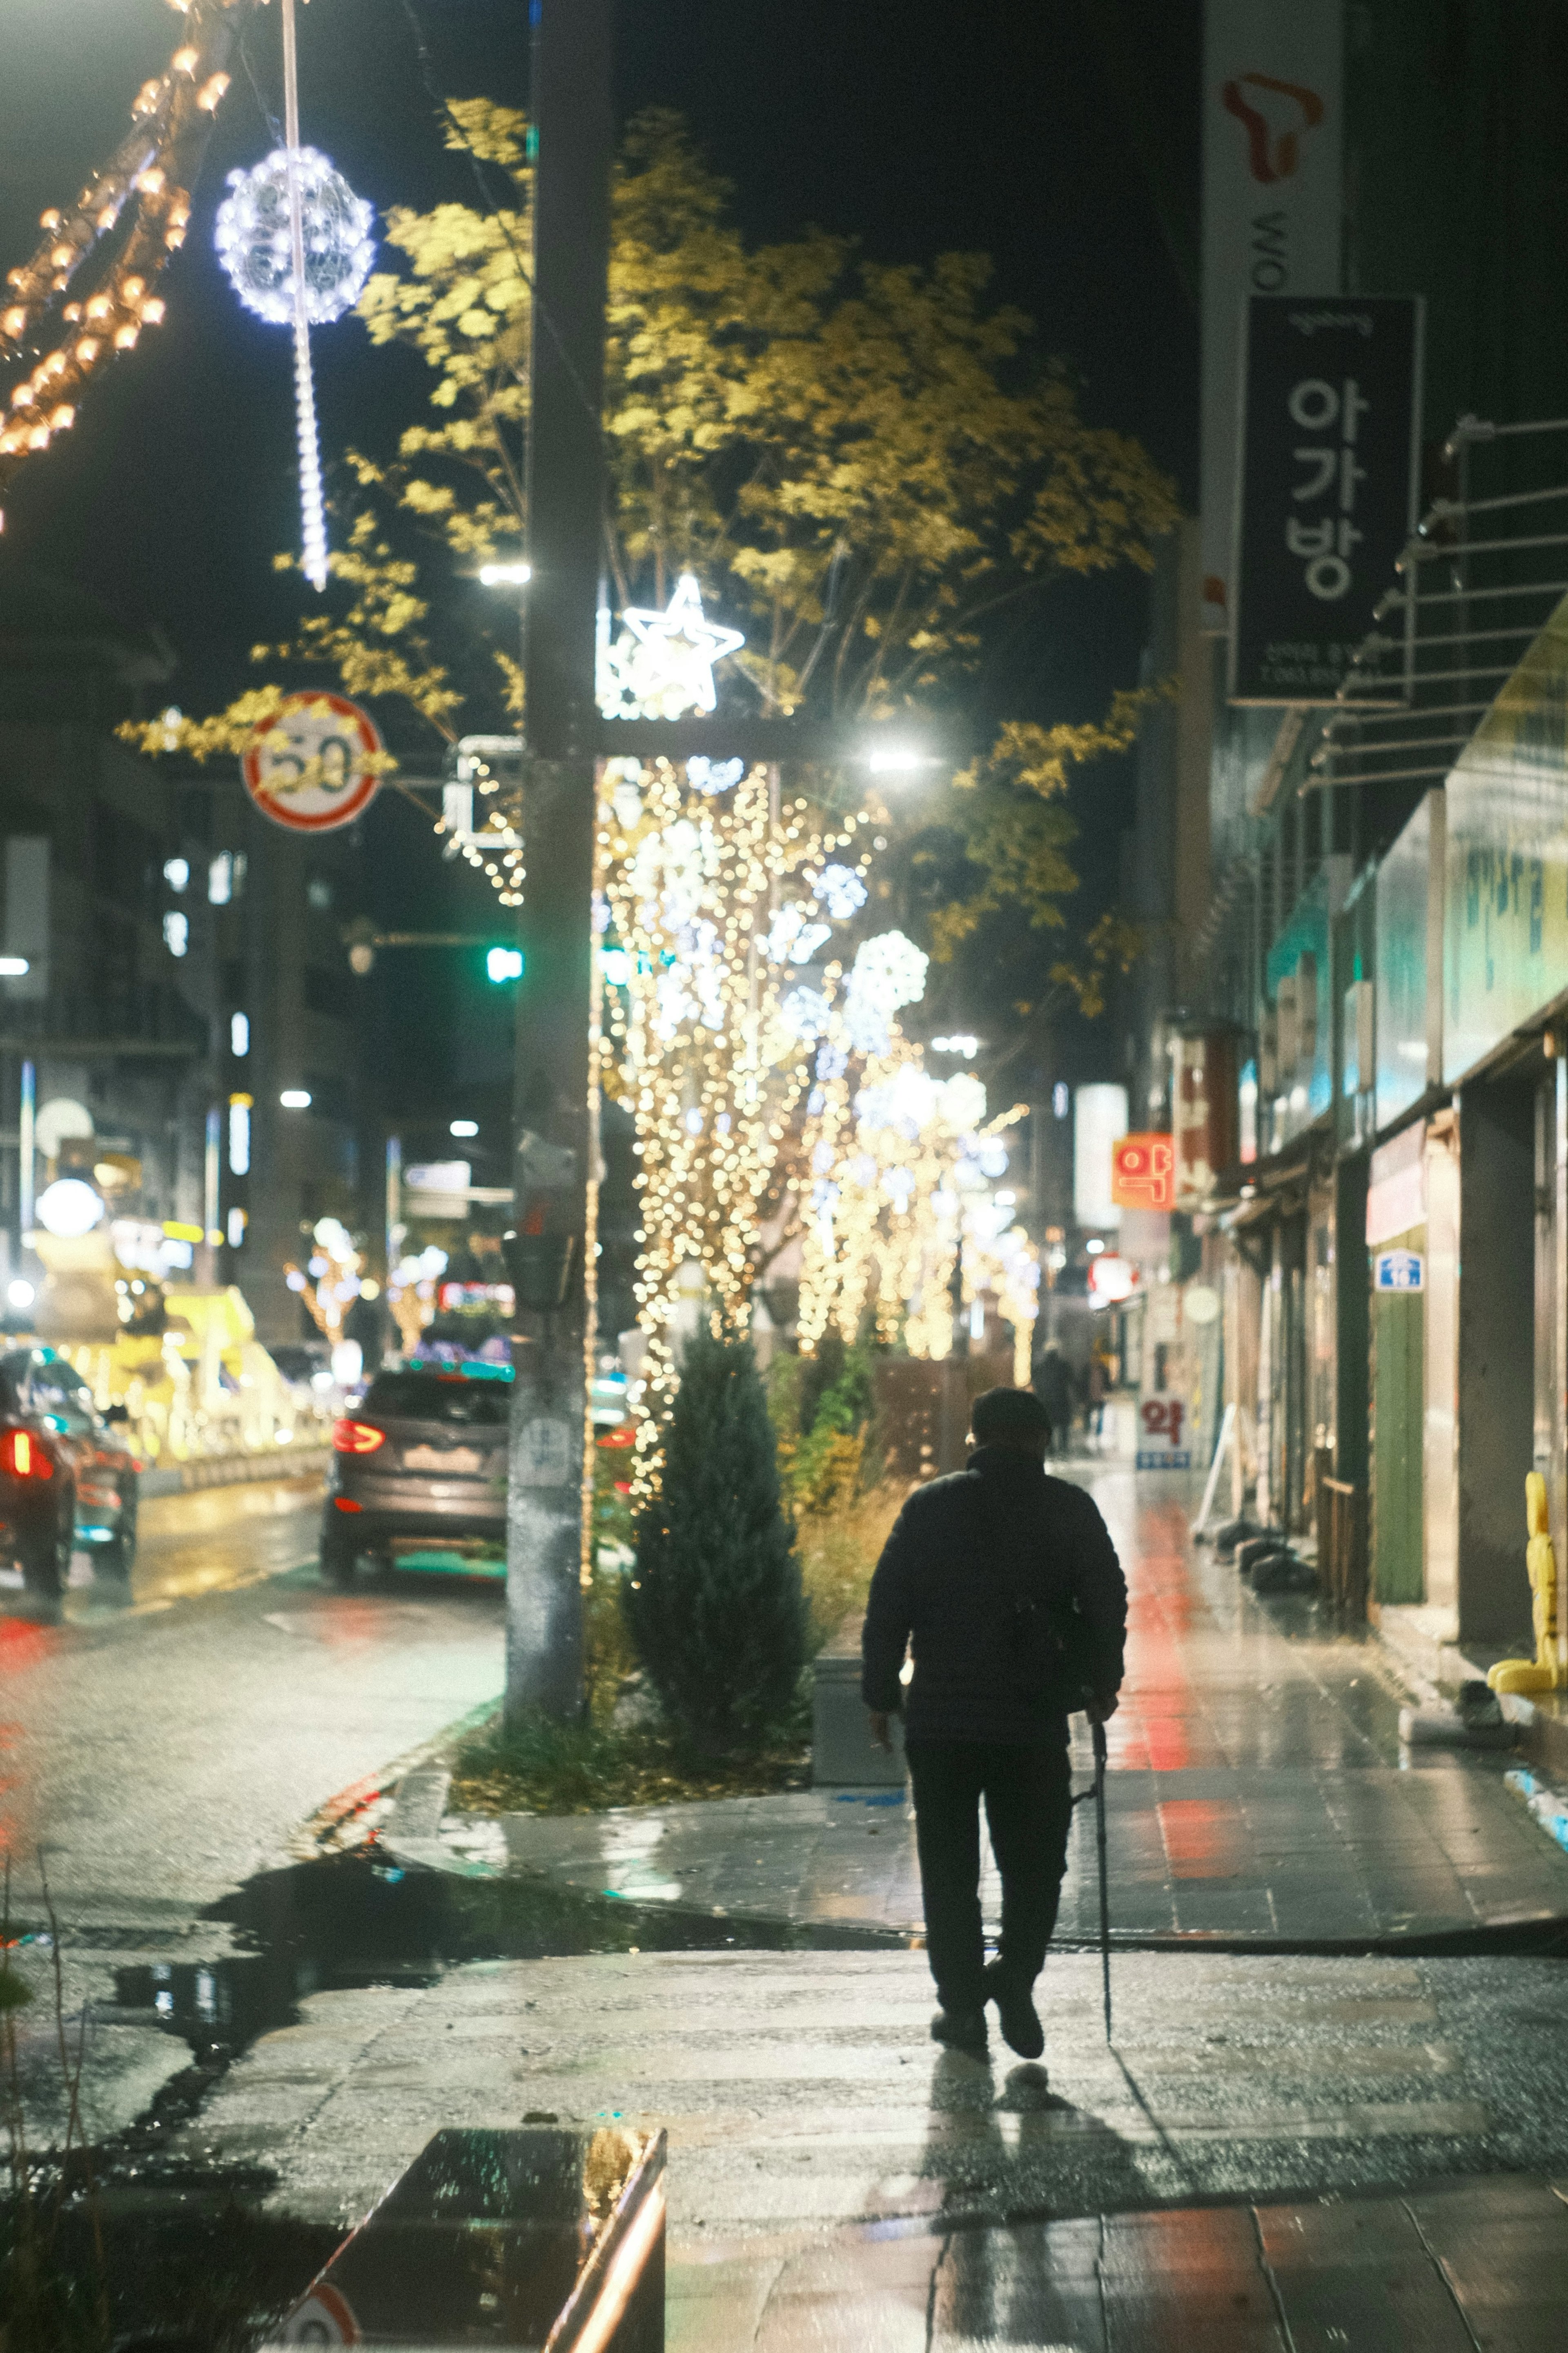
(357, 1816)
(418, 1846)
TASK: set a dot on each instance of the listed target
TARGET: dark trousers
(1027, 1791)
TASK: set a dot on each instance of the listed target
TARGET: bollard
(1547, 1671)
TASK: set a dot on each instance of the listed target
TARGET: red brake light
(357, 1438)
(25, 1456)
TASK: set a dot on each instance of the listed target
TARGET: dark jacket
(943, 1581)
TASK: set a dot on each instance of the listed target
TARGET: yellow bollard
(1546, 1670)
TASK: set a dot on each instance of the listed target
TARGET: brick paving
(1257, 1790)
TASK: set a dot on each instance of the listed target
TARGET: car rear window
(436, 1397)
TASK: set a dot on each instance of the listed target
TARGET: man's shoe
(961, 2030)
(1021, 2028)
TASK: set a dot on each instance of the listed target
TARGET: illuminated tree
(871, 466)
(712, 900)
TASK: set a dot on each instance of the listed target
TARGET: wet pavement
(804, 2090)
(1447, 2270)
(1258, 1793)
(1316, 2148)
(158, 1752)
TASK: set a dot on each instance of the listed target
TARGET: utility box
(843, 1754)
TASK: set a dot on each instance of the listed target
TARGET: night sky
(1018, 130)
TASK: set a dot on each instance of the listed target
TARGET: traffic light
(504, 964)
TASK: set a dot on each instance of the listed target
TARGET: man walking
(1006, 1583)
(1053, 1385)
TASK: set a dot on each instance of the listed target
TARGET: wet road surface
(158, 1749)
(835, 2178)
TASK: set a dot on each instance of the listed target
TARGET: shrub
(715, 1605)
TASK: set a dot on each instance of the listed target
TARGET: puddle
(350, 1921)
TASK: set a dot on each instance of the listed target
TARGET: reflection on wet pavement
(508, 2238)
(1258, 1793)
(802, 2090)
(213, 1541)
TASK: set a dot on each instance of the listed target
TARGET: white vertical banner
(1273, 137)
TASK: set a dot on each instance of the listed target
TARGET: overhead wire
(443, 108)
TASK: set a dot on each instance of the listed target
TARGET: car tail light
(357, 1437)
(25, 1456)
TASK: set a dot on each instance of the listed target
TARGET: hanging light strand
(312, 506)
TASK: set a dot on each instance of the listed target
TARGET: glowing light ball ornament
(255, 239)
(296, 243)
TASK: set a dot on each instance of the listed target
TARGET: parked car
(67, 1476)
(422, 1456)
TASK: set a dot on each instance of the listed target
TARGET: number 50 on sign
(315, 763)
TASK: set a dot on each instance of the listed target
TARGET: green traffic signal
(504, 964)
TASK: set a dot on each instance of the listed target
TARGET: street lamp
(294, 1099)
(505, 575)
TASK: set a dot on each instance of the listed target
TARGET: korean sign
(1142, 1172)
(1326, 487)
(1505, 937)
(1398, 1269)
(1272, 212)
(1164, 1440)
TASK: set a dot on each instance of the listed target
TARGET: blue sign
(1399, 1270)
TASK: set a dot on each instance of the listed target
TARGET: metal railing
(1472, 592)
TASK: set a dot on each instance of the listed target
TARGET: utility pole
(551, 1249)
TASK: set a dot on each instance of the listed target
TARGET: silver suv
(419, 1464)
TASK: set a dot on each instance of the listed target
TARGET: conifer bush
(715, 1603)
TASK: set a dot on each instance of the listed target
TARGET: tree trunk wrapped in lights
(706, 896)
(903, 1165)
(715, 1605)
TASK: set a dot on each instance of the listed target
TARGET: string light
(900, 1165)
(148, 174)
(695, 1039)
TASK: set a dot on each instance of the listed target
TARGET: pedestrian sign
(1398, 1269)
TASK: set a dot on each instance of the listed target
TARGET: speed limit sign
(314, 764)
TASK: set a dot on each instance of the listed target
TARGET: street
(761, 771)
(159, 1751)
(162, 1757)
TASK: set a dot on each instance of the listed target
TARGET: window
(49, 1389)
(225, 878)
(239, 1035)
(448, 1397)
(176, 931)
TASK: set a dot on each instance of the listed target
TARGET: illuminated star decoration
(661, 665)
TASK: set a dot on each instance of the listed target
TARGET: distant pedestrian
(1005, 1584)
(1053, 1385)
(1097, 1382)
